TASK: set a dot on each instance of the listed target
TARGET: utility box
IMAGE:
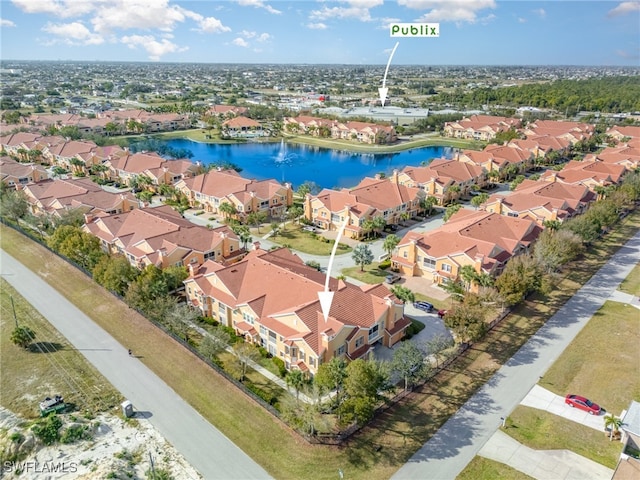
(127, 409)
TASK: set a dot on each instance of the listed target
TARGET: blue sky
(472, 32)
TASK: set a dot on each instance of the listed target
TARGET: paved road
(447, 453)
(203, 446)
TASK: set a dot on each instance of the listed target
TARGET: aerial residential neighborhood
(267, 240)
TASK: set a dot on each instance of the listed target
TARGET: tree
(331, 376)
(378, 224)
(243, 233)
(275, 229)
(296, 380)
(364, 381)
(214, 343)
(362, 255)
(366, 227)
(22, 336)
(294, 213)
(450, 211)
(114, 273)
(228, 210)
(468, 274)
(455, 288)
(554, 249)
(428, 203)
(467, 321)
(403, 293)
(521, 276)
(390, 243)
(613, 423)
(245, 354)
(256, 218)
(14, 204)
(77, 245)
(479, 199)
(437, 345)
(180, 319)
(409, 363)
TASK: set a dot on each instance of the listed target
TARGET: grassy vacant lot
(378, 450)
(294, 237)
(545, 431)
(631, 284)
(602, 362)
(49, 367)
(484, 469)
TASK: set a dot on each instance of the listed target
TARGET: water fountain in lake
(283, 158)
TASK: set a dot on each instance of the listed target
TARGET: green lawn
(602, 362)
(631, 284)
(371, 273)
(541, 430)
(294, 237)
(49, 367)
(484, 469)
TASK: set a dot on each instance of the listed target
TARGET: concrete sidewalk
(542, 399)
(542, 464)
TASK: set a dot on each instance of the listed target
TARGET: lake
(298, 163)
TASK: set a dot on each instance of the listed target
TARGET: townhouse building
(479, 127)
(364, 132)
(573, 132)
(625, 155)
(15, 175)
(372, 197)
(440, 178)
(592, 174)
(209, 191)
(271, 299)
(60, 195)
(623, 133)
(241, 126)
(161, 236)
(542, 201)
(484, 240)
(130, 167)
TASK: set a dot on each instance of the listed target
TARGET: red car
(583, 404)
(442, 313)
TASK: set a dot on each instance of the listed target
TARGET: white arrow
(326, 297)
(383, 90)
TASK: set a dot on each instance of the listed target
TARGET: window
(373, 332)
(263, 331)
(446, 267)
(339, 351)
(301, 355)
(359, 342)
(429, 262)
(311, 361)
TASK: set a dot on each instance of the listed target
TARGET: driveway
(447, 453)
(542, 464)
(212, 454)
(542, 399)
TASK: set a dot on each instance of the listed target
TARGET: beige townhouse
(271, 299)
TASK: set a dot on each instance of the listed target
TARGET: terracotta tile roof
(241, 122)
(625, 131)
(444, 171)
(576, 172)
(138, 162)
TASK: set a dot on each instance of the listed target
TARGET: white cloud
(153, 47)
(387, 21)
(624, 8)
(240, 42)
(264, 37)
(74, 33)
(317, 26)
(206, 24)
(137, 14)
(247, 34)
(6, 23)
(59, 8)
(358, 9)
(449, 10)
(540, 12)
(258, 4)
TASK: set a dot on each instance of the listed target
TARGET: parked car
(442, 313)
(583, 403)
(392, 278)
(310, 229)
(52, 405)
(426, 306)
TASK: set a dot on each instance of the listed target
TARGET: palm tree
(390, 243)
(295, 379)
(378, 224)
(613, 423)
(468, 275)
(428, 203)
(228, 210)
